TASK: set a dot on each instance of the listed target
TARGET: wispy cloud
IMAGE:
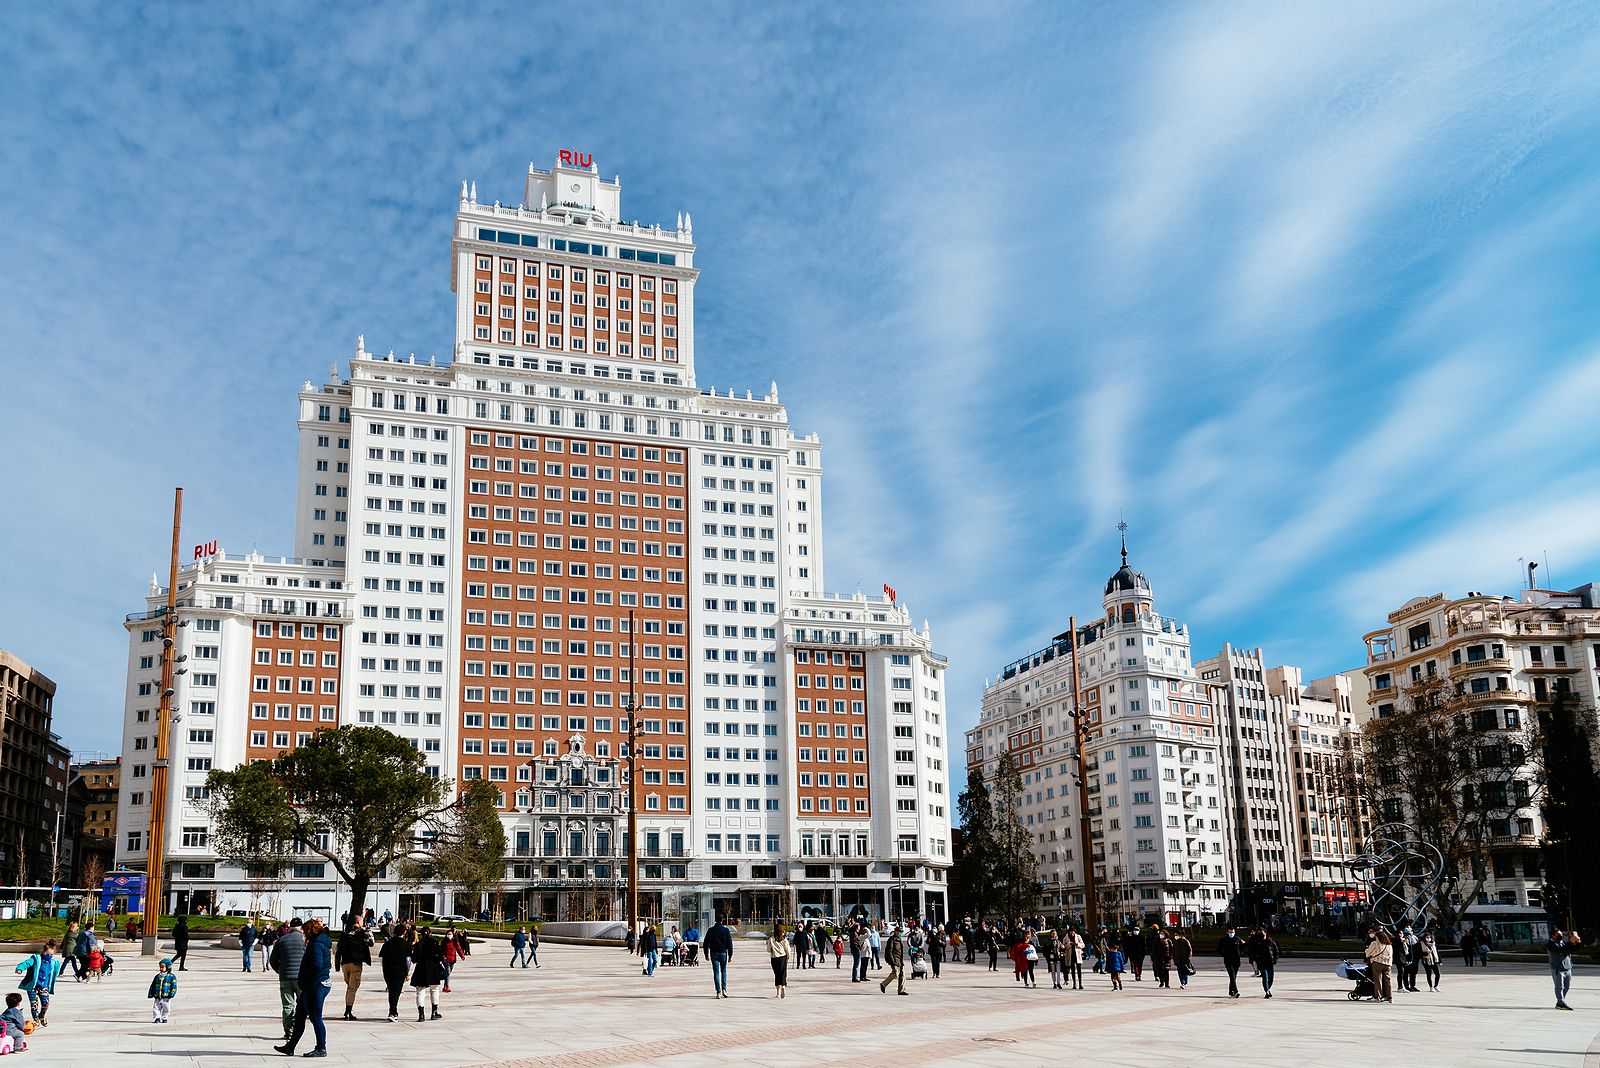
(1306, 292)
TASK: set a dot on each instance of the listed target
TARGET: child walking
(163, 988)
(1114, 964)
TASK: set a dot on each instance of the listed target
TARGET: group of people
(303, 956)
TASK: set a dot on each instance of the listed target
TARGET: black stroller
(1359, 973)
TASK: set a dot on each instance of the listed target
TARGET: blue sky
(1308, 292)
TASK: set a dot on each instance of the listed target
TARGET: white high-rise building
(472, 540)
(1156, 801)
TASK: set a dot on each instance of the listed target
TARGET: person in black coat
(353, 955)
(395, 956)
(1230, 947)
(427, 972)
(719, 948)
(180, 943)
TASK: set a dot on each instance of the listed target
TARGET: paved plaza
(589, 1007)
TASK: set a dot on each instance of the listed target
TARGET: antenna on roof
(1122, 525)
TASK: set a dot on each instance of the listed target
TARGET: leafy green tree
(973, 879)
(1015, 868)
(351, 795)
(1571, 848)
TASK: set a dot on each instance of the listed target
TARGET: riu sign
(571, 157)
(205, 549)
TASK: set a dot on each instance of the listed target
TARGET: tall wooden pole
(155, 866)
(633, 782)
(1080, 737)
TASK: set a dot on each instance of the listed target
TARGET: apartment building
(33, 775)
(1509, 657)
(1153, 757)
(508, 553)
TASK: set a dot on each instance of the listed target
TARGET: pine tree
(972, 877)
(1015, 868)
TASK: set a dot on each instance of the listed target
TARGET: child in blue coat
(1114, 966)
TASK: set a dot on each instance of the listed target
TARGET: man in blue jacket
(719, 947)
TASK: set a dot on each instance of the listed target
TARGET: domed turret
(1126, 579)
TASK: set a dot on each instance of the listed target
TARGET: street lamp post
(1080, 738)
(633, 783)
(155, 864)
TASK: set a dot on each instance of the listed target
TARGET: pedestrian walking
(355, 953)
(427, 972)
(69, 950)
(993, 943)
(1380, 959)
(163, 988)
(858, 952)
(875, 944)
(287, 951)
(1469, 947)
(648, 949)
(533, 945)
(519, 948)
(1485, 942)
(719, 948)
(1114, 966)
(1264, 955)
(1135, 947)
(316, 968)
(180, 943)
(838, 951)
(778, 952)
(894, 952)
(1182, 958)
(1072, 948)
(819, 938)
(247, 942)
(395, 957)
(1559, 950)
(1231, 948)
(936, 944)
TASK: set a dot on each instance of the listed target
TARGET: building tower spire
(1122, 525)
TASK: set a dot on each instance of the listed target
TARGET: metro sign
(571, 157)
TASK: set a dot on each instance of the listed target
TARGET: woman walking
(395, 956)
(778, 951)
(1050, 946)
(427, 972)
(354, 954)
(180, 943)
(1264, 956)
(1183, 958)
(316, 964)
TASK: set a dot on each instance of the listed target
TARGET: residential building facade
(33, 773)
(1153, 757)
(488, 549)
(1509, 658)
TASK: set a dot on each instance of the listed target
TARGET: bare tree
(1447, 764)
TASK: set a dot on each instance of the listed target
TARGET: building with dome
(1157, 834)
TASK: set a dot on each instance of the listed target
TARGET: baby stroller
(919, 964)
(691, 953)
(1360, 974)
